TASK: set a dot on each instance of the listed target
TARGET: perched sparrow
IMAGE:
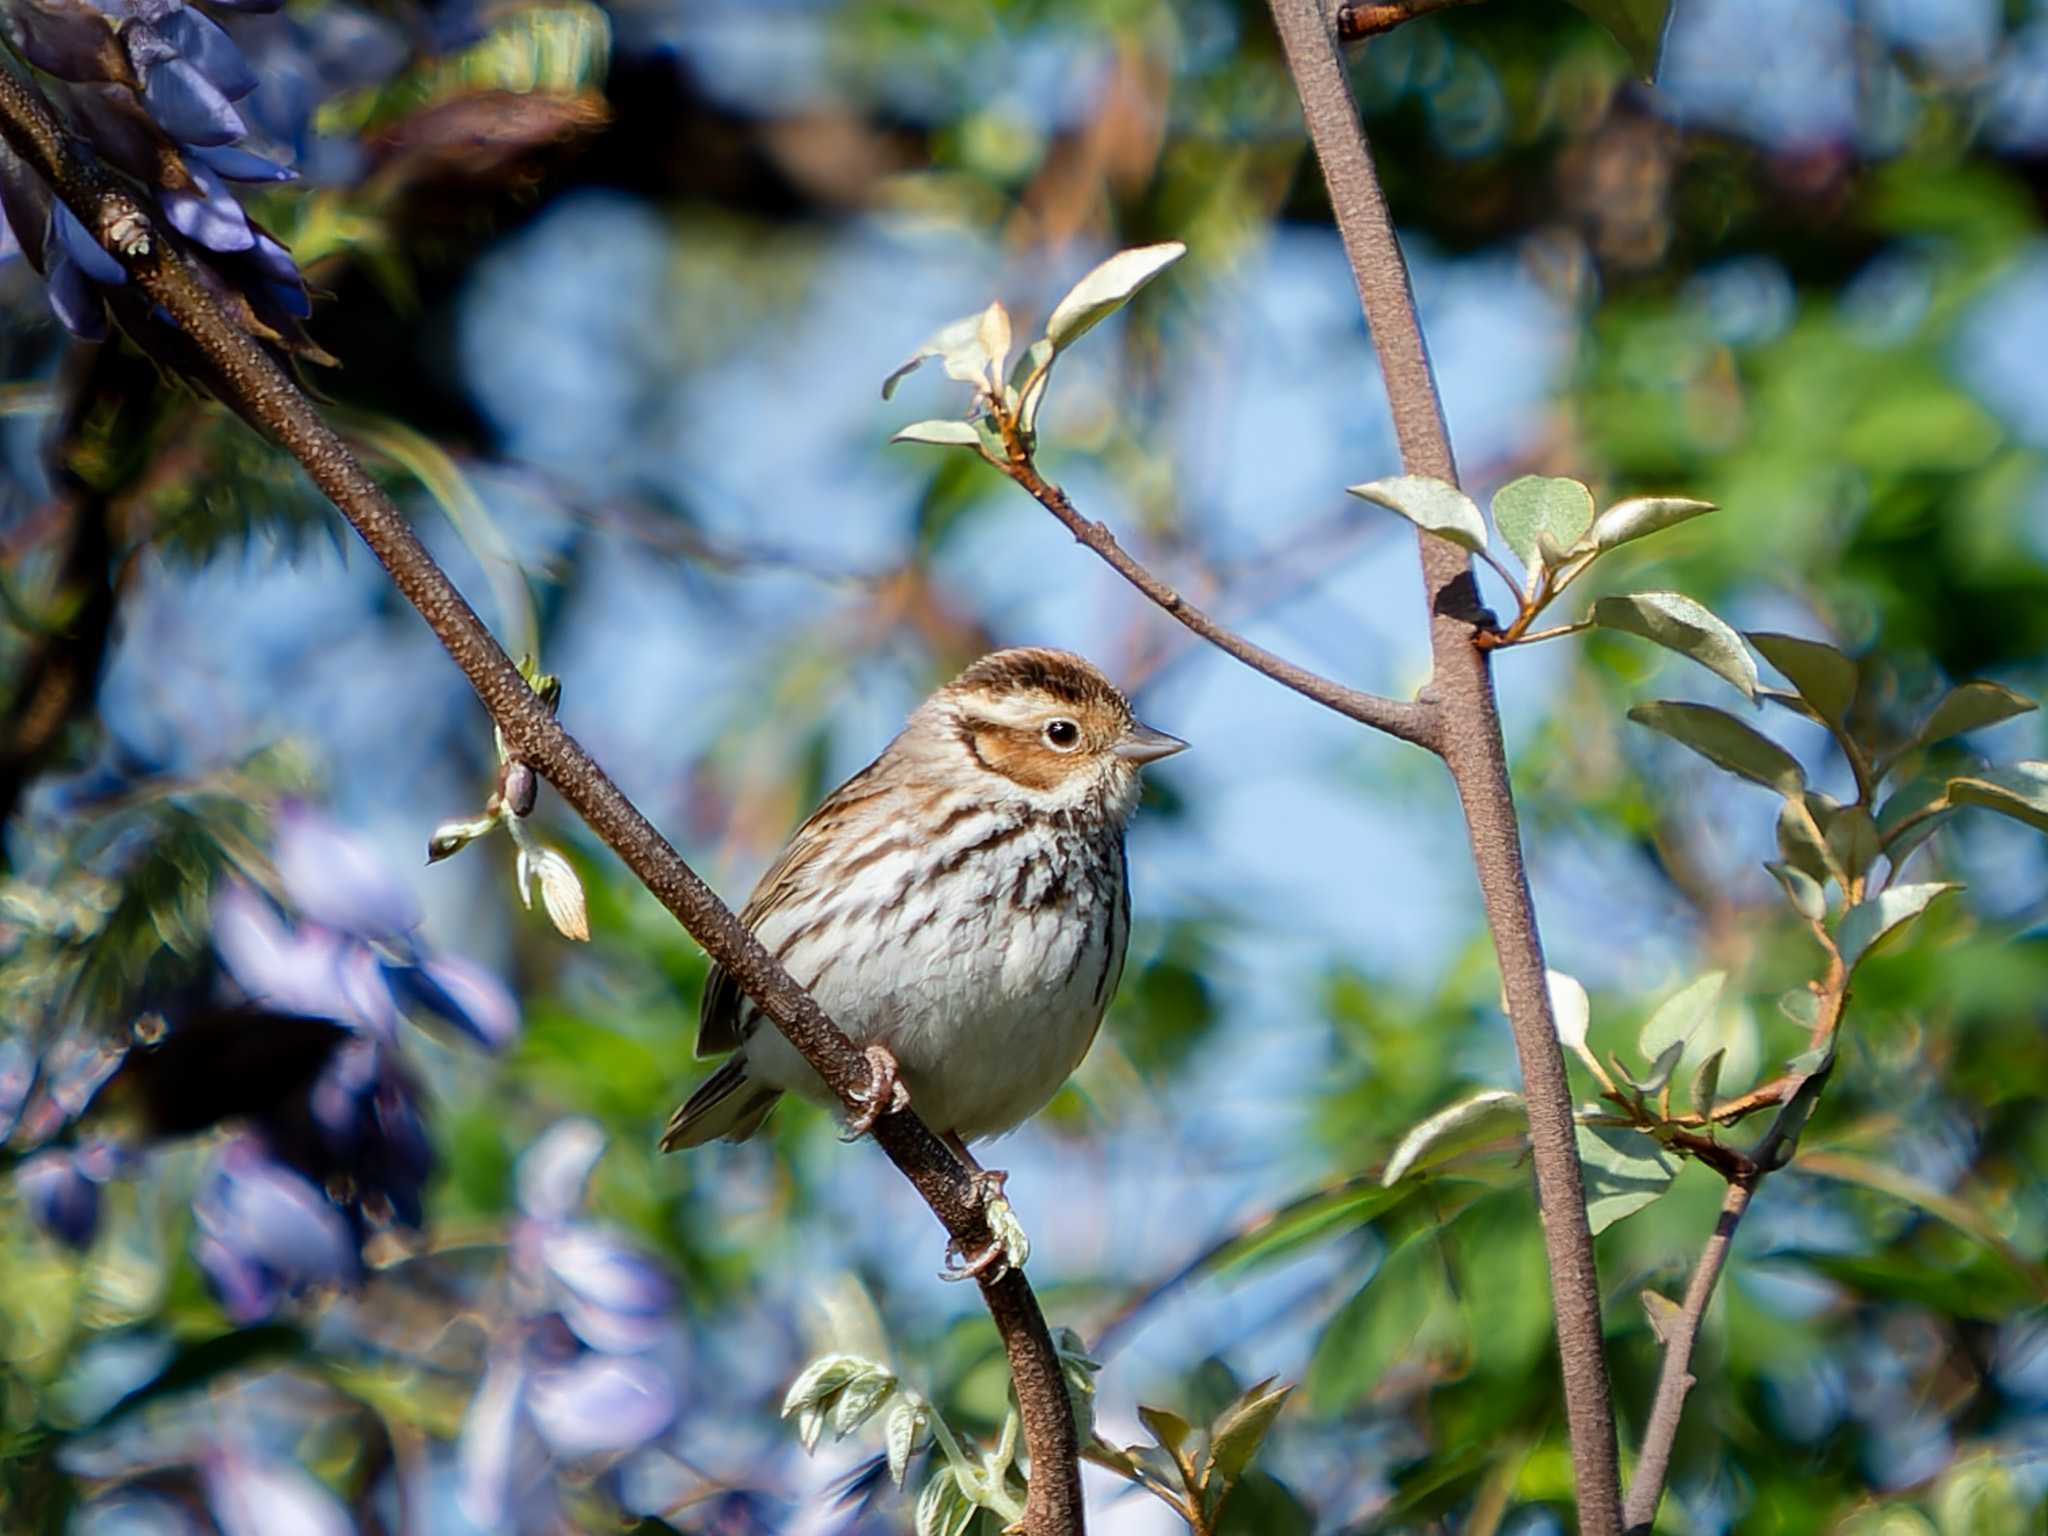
(959, 907)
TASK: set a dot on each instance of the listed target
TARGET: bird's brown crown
(1038, 717)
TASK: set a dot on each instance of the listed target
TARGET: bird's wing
(721, 1022)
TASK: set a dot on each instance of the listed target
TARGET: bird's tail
(727, 1105)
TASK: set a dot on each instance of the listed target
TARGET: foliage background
(633, 345)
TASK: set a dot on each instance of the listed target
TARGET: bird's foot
(1009, 1249)
(885, 1094)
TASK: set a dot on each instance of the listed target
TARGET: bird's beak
(1142, 744)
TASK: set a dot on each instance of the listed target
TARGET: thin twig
(249, 380)
(1357, 20)
(1470, 742)
(1410, 720)
(1676, 1378)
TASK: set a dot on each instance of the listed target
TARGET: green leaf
(1801, 843)
(1032, 374)
(2019, 790)
(1640, 516)
(1403, 1309)
(1852, 841)
(1167, 1427)
(1662, 1068)
(1541, 507)
(1782, 1139)
(859, 1401)
(944, 1509)
(1432, 505)
(1237, 1434)
(1801, 1006)
(1970, 707)
(1680, 1015)
(1868, 922)
(1677, 623)
(1625, 1171)
(901, 1431)
(1706, 1083)
(1484, 1117)
(1726, 742)
(1638, 25)
(1809, 899)
(1107, 289)
(959, 344)
(1825, 678)
(943, 434)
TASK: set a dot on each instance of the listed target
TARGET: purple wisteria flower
(571, 1375)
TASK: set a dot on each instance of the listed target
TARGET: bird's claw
(1010, 1248)
(885, 1094)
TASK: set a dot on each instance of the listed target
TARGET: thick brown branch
(1676, 1378)
(1411, 721)
(249, 380)
(1469, 739)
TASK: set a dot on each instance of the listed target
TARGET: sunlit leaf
(1680, 1015)
(959, 344)
(2018, 790)
(1678, 623)
(1570, 1008)
(1825, 678)
(1725, 741)
(1474, 1122)
(1107, 289)
(1706, 1083)
(1545, 506)
(943, 1509)
(1166, 1426)
(1801, 842)
(943, 434)
(1868, 922)
(1662, 1312)
(1432, 505)
(901, 1431)
(1970, 707)
(1638, 25)
(1033, 373)
(1661, 1069)
(1625, 1171)
(1640, 516)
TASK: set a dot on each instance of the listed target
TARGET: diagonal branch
(249, 380)
(1470, 742)
(1410, 720)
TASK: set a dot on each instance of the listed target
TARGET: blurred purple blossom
(600, 1404)
(62, 1198)
(334, 880)
(17, 1076)
(129, 1513)
(255, 1495)
(266, 1233)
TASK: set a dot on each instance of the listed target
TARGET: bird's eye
(1062, 735)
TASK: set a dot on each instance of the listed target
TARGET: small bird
(959, 907)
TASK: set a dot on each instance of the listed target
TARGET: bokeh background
(612, 292)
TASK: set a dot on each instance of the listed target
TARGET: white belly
(986, 983)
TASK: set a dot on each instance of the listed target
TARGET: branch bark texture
(1469, 740)
(250, 381)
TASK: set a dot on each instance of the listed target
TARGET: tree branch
(1675, 1380)
(1469, 739)
(1412, 721)
(1356, 20)
(249, 380)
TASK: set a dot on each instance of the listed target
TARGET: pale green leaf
(1662, 1312)
(1970, 707)
(1801, 842)
(1851, 842)
(958, 344)
(994, 335)
(1432, 505)
(2018, 790)
(1107, 289)
(859, 1401)
(1681, 1014)
(943, 434)
(1625, 1171)
(1638, 25)
(1677, 623)
(1825, 678)
(1868, 922)
(823, 1378)
(1725, 741)
(901, 1432)
(1033, 373)
(1484, 1117)
(1662, 1068)
(1405, 1309)
(1809, 899)
(1541, 507)
(1801, 1006)
(943, 1508)
(1640, 516)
